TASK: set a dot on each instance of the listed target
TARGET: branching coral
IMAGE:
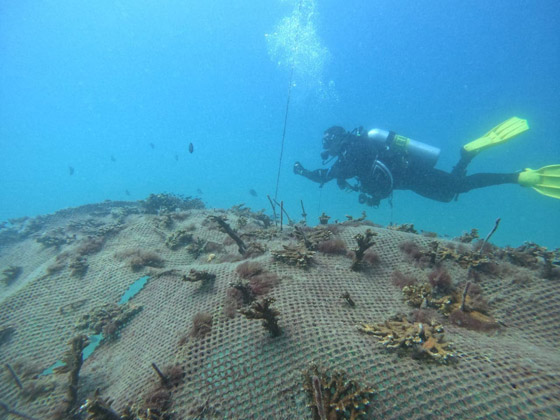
(269, 315)
(226, 228)
(168, 203)
(55, 239)
(324, 218)
(333, 396)
(365, 241)
(425, 340)
(197, 247)
(406, 227)
(78, 266)
(108, 319)
(196, 275)
(73, 360)
(178, 239)
(468, 237)
(310, 238)
(299, 256)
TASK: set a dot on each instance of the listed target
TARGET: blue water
(91, 84)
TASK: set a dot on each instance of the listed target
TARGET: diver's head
(334, 139)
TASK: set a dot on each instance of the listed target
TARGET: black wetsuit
(357, 158)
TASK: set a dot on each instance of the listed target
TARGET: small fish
(127, 192)
(253, 193)
(191, 148)
(152, 145)
(199, 191)
(113, 158)
(71, 170)
(177, 158)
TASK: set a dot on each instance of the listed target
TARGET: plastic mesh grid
(238, 370)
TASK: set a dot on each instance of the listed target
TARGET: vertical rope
(288, 104)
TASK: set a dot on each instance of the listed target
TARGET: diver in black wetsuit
(382, 161)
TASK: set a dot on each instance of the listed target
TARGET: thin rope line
(284, 133)
(287, 106)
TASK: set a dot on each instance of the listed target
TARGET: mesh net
(76, 261)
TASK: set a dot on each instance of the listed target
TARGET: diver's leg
(482, 180)
(460, 169)
(433, 184)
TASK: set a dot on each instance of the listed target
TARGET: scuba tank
(414, 151)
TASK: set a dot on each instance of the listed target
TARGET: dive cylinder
(414, 151)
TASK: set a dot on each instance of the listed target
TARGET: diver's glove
(298, 168)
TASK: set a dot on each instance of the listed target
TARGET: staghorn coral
(196, 275)
(468, 237)
(226, 228)
(324, 218)
(333, 396)
(346, 296)
(196, 247)
(295, 255)
(406, 227)
(254, 249)
(310, 238)
(73, 360)
(55, 239)
(365, 241)
(100, 409)
(178, 239)
(169, 203)
(78, 266)
(424, 340)
(263, 310)
(165, 221)
(108, 319)
(422, 296)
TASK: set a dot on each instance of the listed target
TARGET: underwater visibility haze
(102, 100)
(262, 209)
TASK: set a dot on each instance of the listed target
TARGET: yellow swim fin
(545, 180)
(499, 134)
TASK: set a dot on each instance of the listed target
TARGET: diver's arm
(319, 175)
(345, 185)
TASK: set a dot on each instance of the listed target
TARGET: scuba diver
(383, 161)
